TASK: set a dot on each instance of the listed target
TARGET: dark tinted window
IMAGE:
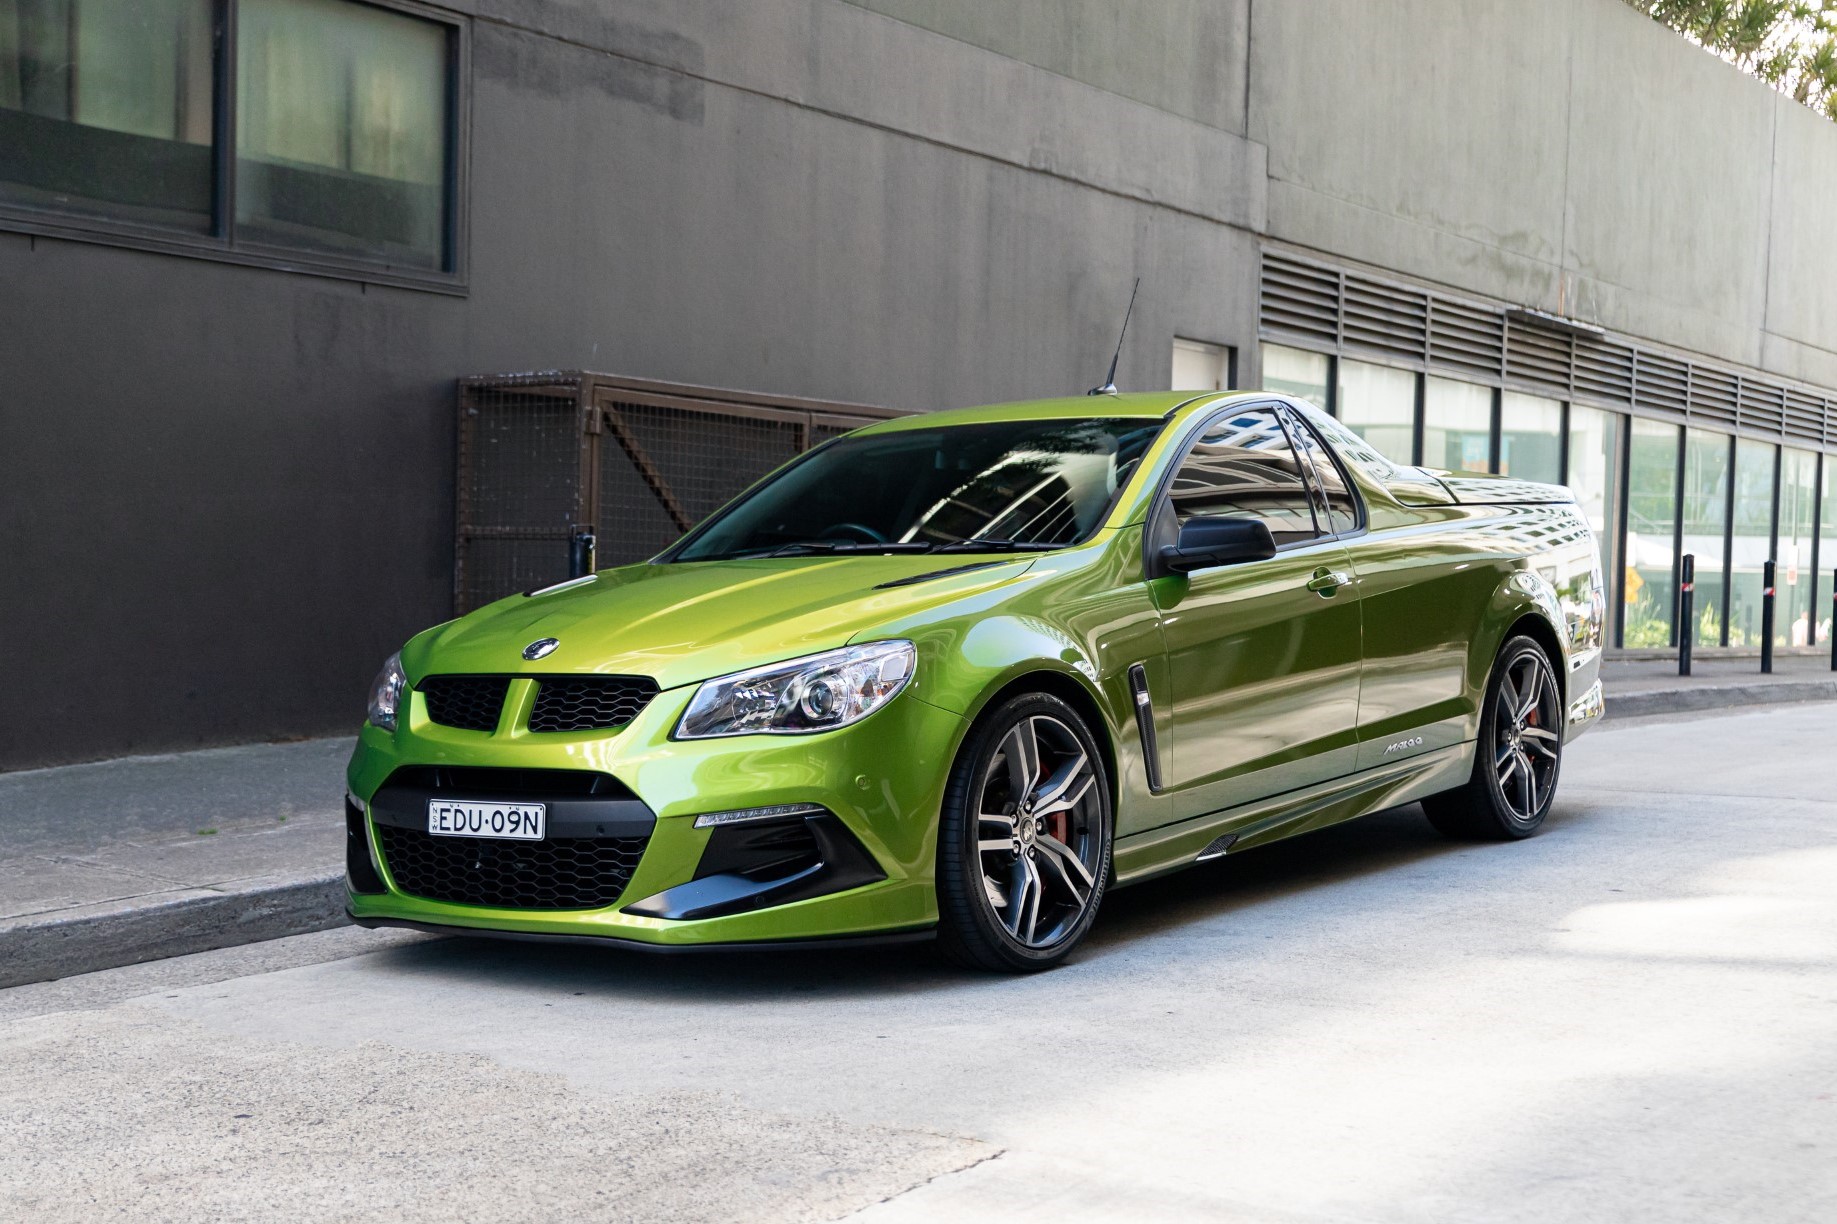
(1243, 466)
(1329, 481)
(1044, 483)
(341, 130)
(106, 108)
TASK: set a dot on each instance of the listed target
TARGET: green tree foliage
(1790, 44)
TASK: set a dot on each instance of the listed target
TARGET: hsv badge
(541, 648)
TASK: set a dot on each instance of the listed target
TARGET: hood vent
(943, 573)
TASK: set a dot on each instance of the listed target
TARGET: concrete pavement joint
(920, 1185)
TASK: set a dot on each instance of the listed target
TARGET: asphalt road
(1630, 1017)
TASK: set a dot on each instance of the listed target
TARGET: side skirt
(1159, 851)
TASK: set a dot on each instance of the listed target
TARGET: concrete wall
(227, 490)
(1567, 154)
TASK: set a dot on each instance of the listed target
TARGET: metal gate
(636, 462)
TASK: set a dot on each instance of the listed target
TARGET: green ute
(955, 676)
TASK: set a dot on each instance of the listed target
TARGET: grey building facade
(248, 247)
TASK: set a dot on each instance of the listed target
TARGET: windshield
(996, 486)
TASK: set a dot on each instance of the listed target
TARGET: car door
(1263, 657)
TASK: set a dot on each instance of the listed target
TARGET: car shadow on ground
(1377, 843)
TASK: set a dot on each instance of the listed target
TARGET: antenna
(1109, 382)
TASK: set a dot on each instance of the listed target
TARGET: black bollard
(1687, 627)
(580, 553)
(1766, 618)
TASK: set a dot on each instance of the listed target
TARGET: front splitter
(876, 939)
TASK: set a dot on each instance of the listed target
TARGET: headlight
(386, 693)
(817, 693)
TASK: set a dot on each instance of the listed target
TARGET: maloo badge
(542, 648)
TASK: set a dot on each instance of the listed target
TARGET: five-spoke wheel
(1520, 751)
(1024, 846)
(1525, 749)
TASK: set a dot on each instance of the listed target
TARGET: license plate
(511, 821)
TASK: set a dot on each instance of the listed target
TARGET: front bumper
(882, 779)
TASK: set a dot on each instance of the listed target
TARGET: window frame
(1160, 508)
(221, 244)
(1296, 420)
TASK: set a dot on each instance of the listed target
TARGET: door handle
(1328, 582)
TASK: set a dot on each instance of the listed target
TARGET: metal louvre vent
(1300, 298)
(1537, 355)
(1804, 416)
(1466, 336)
(1713, 397)
(1604, 369)
(1386, 319)
(558, 874)
(1662, 382)
(470, 703)
(636, 462)
(1329, 309)
(1762, 407)
(586, 703)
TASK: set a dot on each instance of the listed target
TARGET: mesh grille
(471, 703)
(565, 874)
(582, 703)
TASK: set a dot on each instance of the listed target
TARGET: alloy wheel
(1528, 720)
(1039, 837)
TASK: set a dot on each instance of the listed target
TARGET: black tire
(1518, 756)
(1059, 883)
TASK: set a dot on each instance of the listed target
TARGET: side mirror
(1206, 542)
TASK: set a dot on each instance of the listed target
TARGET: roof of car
(1149, 404)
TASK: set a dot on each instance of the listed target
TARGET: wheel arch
(1074, 693)
(1537, 627)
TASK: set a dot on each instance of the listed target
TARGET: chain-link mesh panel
(519, 485)
(661, 466)
(495, 568)
(664, 469)
(525, 461)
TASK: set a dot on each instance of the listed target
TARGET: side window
(1342, 505)
(1244, 466)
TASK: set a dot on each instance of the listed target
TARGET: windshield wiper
(956, 546)
(802, 548)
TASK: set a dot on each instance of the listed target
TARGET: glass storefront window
(1706, 516)
(1530, 437)
(1457, 426)
(1296, 372)
(341, 137)
(106, 108)
(1594, 477)
(1751, 541)
(1379, 404)
(1793, 577)
(1827, 544)
(1652, 501)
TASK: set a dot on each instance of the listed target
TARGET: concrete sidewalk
(125, 861)
(1640, 687)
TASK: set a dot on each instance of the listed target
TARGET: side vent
(1145, 723)
(1216, 848)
